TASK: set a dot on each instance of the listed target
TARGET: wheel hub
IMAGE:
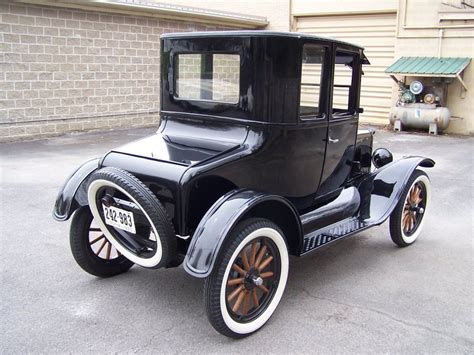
(252, 279)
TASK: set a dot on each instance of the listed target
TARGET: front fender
(382, 189)
(218, 222)
(73, 193)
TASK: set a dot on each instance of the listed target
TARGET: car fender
(73, 193)
(219, 221)
(382, 189)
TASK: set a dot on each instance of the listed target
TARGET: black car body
(255, 126)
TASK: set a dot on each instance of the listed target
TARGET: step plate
(331, 233)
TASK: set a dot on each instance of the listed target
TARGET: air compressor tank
(419, 115)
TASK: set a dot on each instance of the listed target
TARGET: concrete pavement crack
(388, 315)
(153, 337)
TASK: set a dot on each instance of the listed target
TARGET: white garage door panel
(374, 32)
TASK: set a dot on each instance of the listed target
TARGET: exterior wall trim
(346, 13)
(166, 11)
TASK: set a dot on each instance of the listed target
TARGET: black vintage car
(258, 156)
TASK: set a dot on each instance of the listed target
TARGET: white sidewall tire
(426, 182)
(91, 195)
(247, 328)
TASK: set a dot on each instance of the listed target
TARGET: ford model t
(258, 156)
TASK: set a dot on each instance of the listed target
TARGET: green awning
(430, 67)
(420, 66)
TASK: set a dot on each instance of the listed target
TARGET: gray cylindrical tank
(420, 115)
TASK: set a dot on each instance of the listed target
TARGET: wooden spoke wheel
(250, 284)
(408, 216)
(414, 208)
(92, 250)
(248, 279)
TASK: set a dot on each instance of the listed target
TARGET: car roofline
(255, 33)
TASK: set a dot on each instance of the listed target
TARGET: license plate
(119, 218)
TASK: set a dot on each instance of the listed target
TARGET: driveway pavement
(361, 295)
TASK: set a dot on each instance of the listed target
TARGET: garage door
(376, 33)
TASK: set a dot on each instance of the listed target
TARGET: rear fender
(382, 189)
(222, 217)
(73, 193)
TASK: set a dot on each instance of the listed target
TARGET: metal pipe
(440, 41)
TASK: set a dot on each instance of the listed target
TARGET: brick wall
(69, 70)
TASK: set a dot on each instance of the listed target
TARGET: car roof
(256, 33)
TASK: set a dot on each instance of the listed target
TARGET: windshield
(207, 77)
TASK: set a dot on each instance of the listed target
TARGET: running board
(331, 233)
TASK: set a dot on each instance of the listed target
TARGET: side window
(344, 83)
(311, 74)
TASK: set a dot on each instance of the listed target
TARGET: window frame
(352, 104)
(174, 58)
(323, 91)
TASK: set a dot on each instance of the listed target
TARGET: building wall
(276, 11)
(69, 70)
(418, 34)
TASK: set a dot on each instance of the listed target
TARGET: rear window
(207, 76)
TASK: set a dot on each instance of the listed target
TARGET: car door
(312, 117)
(343, 120)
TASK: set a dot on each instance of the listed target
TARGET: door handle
(333, 140)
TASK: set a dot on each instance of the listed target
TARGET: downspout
(440, 41)
(292, 19)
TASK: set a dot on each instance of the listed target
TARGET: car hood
(187, 142)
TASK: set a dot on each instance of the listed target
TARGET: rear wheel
(248, 279)
(407, 219)
(92, 251)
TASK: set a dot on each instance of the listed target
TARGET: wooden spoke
(235, 293)
(263, 288)
(406, 218)
(265, 263)
(239, 269)
(253, 254)
(246, 307)
(245, 260)
(262, 251)
(406, 222)
(239, 301)
(418, 198)
(234, 282)
(265, 275)
(96, 239)
(412, 194)
(255, 298)
(412, 221)
(101, 247)
(109, 248)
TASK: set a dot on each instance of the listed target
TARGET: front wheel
(248, 279)
(407, 219)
